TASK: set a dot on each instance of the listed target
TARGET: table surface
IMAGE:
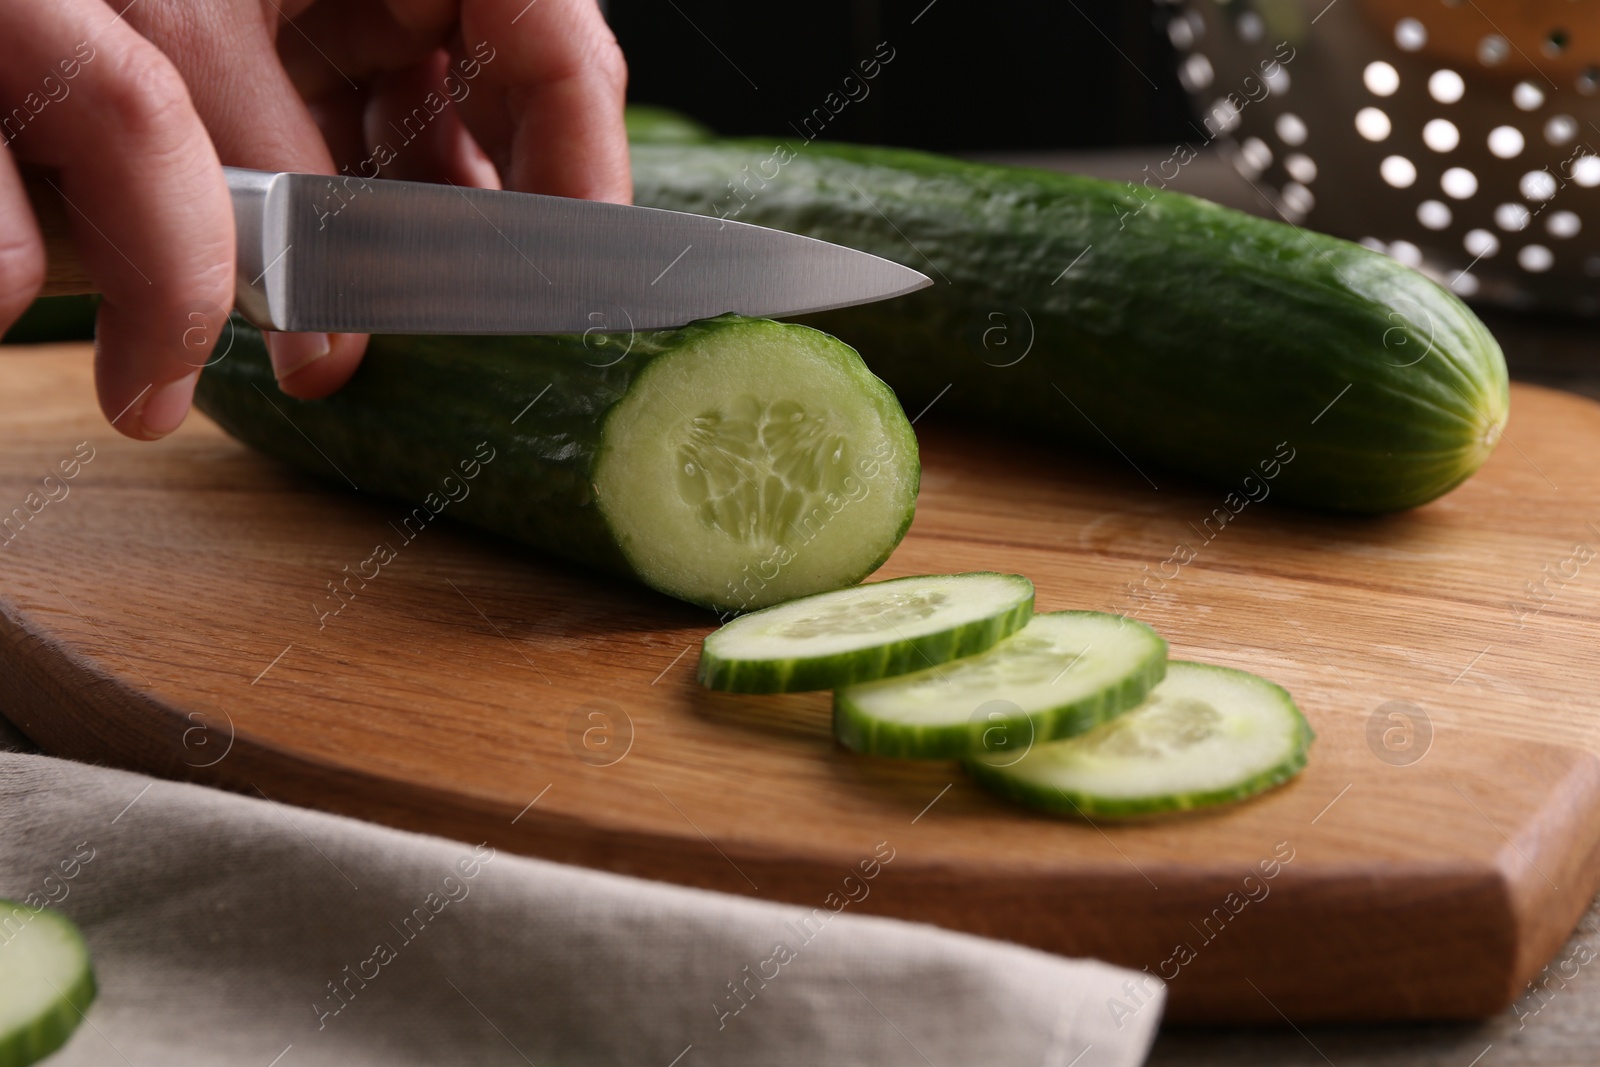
(1555, 1024)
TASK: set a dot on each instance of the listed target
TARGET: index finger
(145, 196)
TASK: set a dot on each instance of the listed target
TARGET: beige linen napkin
(232, 930)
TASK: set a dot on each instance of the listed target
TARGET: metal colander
(1455, 135)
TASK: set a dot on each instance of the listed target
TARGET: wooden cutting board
(161, 613)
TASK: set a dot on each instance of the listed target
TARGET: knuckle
(588, 57)
(142, 93)
(202, 293)
(213, 279)
(609, 66)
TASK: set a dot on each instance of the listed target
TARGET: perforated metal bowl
(1458, 136)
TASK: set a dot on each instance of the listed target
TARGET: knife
(369, 255)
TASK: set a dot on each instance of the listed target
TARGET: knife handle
(63, 272)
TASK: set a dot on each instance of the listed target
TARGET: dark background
(966, 75)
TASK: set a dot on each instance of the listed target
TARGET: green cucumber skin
(861, 733)
(55, 318)
(420, 406)
(649, 124)
(1058, 801)
(867, 665)
(1080, 805)
(1189, 335)
(49, 1032)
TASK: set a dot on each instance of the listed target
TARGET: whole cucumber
(1175, 332)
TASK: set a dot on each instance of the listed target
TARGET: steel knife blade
(360, 255)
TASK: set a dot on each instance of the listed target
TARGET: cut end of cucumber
(863, 633)
(1207, 735)
(45, 982)
(1062, 674)
(762, 463)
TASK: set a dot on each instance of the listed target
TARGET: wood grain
(160, 616)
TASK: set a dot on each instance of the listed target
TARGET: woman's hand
(136, 107)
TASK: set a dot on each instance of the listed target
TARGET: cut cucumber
(45, 982)
(872, 631)
(1064, 673)
(733, 463)
(1207, 735)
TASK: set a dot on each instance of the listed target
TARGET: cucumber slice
(867, 632)
(1064, 673)
(1207, 735)
(45, 982)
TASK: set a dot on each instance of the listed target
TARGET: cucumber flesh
(868, 632)
(1064, 673)
(45, 982)
(759, 463)
(1207, 735)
